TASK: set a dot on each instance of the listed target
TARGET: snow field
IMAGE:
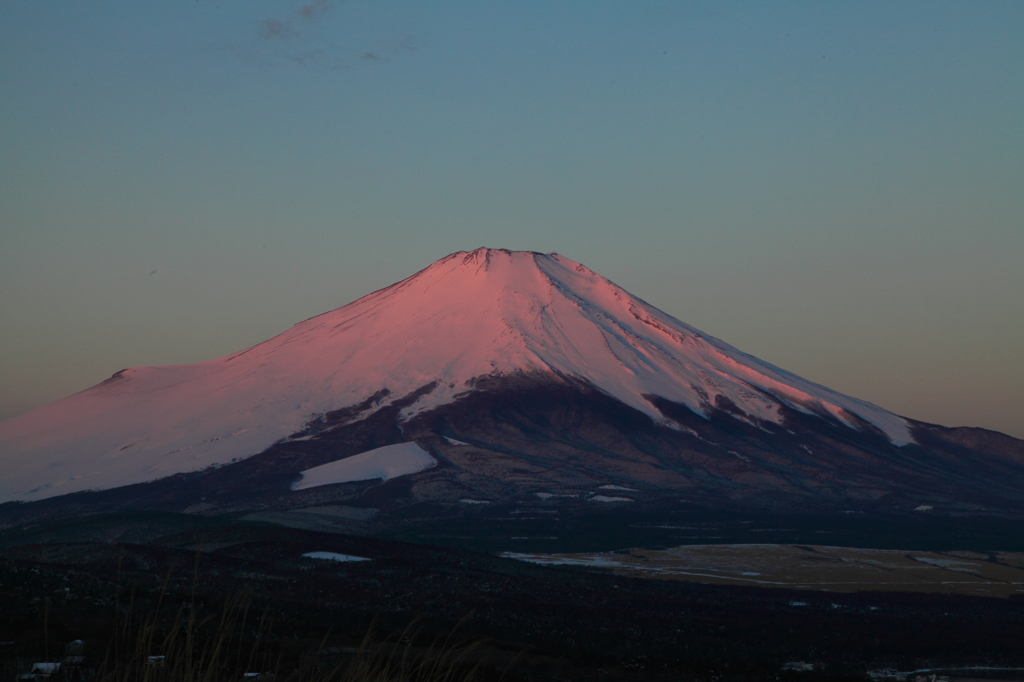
(390, 461)
(333, 556)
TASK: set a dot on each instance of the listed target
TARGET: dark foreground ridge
(556, 622)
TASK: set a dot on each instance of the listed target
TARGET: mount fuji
(491, 377)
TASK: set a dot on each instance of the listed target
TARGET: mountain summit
(470, 324)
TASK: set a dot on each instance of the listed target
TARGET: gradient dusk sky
(835, 188)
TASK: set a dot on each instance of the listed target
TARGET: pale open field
(813, 567)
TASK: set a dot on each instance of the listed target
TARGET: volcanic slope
(521, 373)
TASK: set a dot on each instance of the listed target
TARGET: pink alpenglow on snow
(470, 314)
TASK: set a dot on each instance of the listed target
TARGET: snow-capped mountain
(468, 324)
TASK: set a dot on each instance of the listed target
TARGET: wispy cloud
(283, 28)
(296, 36)
(275, 28)
(315, 9)
(406, 44)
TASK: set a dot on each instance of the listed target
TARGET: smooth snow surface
(548, 496)
(486, 312)
(390, 461)
(333, 556)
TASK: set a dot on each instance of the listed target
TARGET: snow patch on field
(333, 556)
(390, 461)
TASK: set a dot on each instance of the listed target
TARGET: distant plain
(812, 567)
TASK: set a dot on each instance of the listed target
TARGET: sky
(836, 188)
